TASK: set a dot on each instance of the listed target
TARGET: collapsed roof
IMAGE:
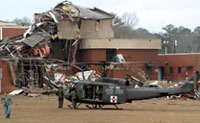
(45, 30)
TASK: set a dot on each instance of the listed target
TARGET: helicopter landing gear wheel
(95, 106)
(117, 108)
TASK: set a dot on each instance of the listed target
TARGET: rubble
(31, 51)
(59, 29)
(16, 92)
(33, 95)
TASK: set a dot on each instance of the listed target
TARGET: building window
(110, 55)
(171, 70)
(179, 70)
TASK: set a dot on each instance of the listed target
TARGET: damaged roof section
(95, 13)
(54, 37)
(36, 38)
(84, 12)
(92, 23)
(67, 22)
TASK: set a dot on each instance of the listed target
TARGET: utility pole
(195, 72)
(175, 44)
(166, 45)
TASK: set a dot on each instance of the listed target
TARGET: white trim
(1, 33)
(178, 54)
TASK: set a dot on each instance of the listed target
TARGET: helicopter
(112, 91)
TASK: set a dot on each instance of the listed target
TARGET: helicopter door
(115, 95)
(93, 92)
(119, 93)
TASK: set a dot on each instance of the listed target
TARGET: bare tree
(130, 19)
(25, 21)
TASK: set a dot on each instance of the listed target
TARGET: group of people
(72, 94)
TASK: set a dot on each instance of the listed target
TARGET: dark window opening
(171, 70)
(189, 67)
(93, 92)
(179, 70)
(110, 55)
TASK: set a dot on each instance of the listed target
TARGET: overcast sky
(152, 14)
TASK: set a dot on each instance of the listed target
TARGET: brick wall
(185, 61)
(11, 32)
(6, 82)
(141, 56)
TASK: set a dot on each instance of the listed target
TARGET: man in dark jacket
(60, 94)
(74, 96)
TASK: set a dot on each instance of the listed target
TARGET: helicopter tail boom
(147, 93)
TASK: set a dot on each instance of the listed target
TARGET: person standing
(6, 100)
(60, 94)
(74, 96)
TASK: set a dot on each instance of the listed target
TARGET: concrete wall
(88, 29)
(120, 44)
(105, 29)
(67, 30)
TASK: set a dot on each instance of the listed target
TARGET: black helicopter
(112, 91)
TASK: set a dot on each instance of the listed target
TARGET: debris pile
(53, 41)
(38, 39)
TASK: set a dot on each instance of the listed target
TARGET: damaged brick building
(138, 54)
(72, 36)
(8, 30)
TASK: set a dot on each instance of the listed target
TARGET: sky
(152, 14)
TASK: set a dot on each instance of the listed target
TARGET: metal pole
(174, 46)
(195, 73)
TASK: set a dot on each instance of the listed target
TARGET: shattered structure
(53, 41)
(66, 39)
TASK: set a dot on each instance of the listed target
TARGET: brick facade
(141, 57)
(6, 82)
(177, 66)
(11, 32)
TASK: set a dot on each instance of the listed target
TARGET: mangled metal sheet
(36, 38)
(16, 92)
(84, 12)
